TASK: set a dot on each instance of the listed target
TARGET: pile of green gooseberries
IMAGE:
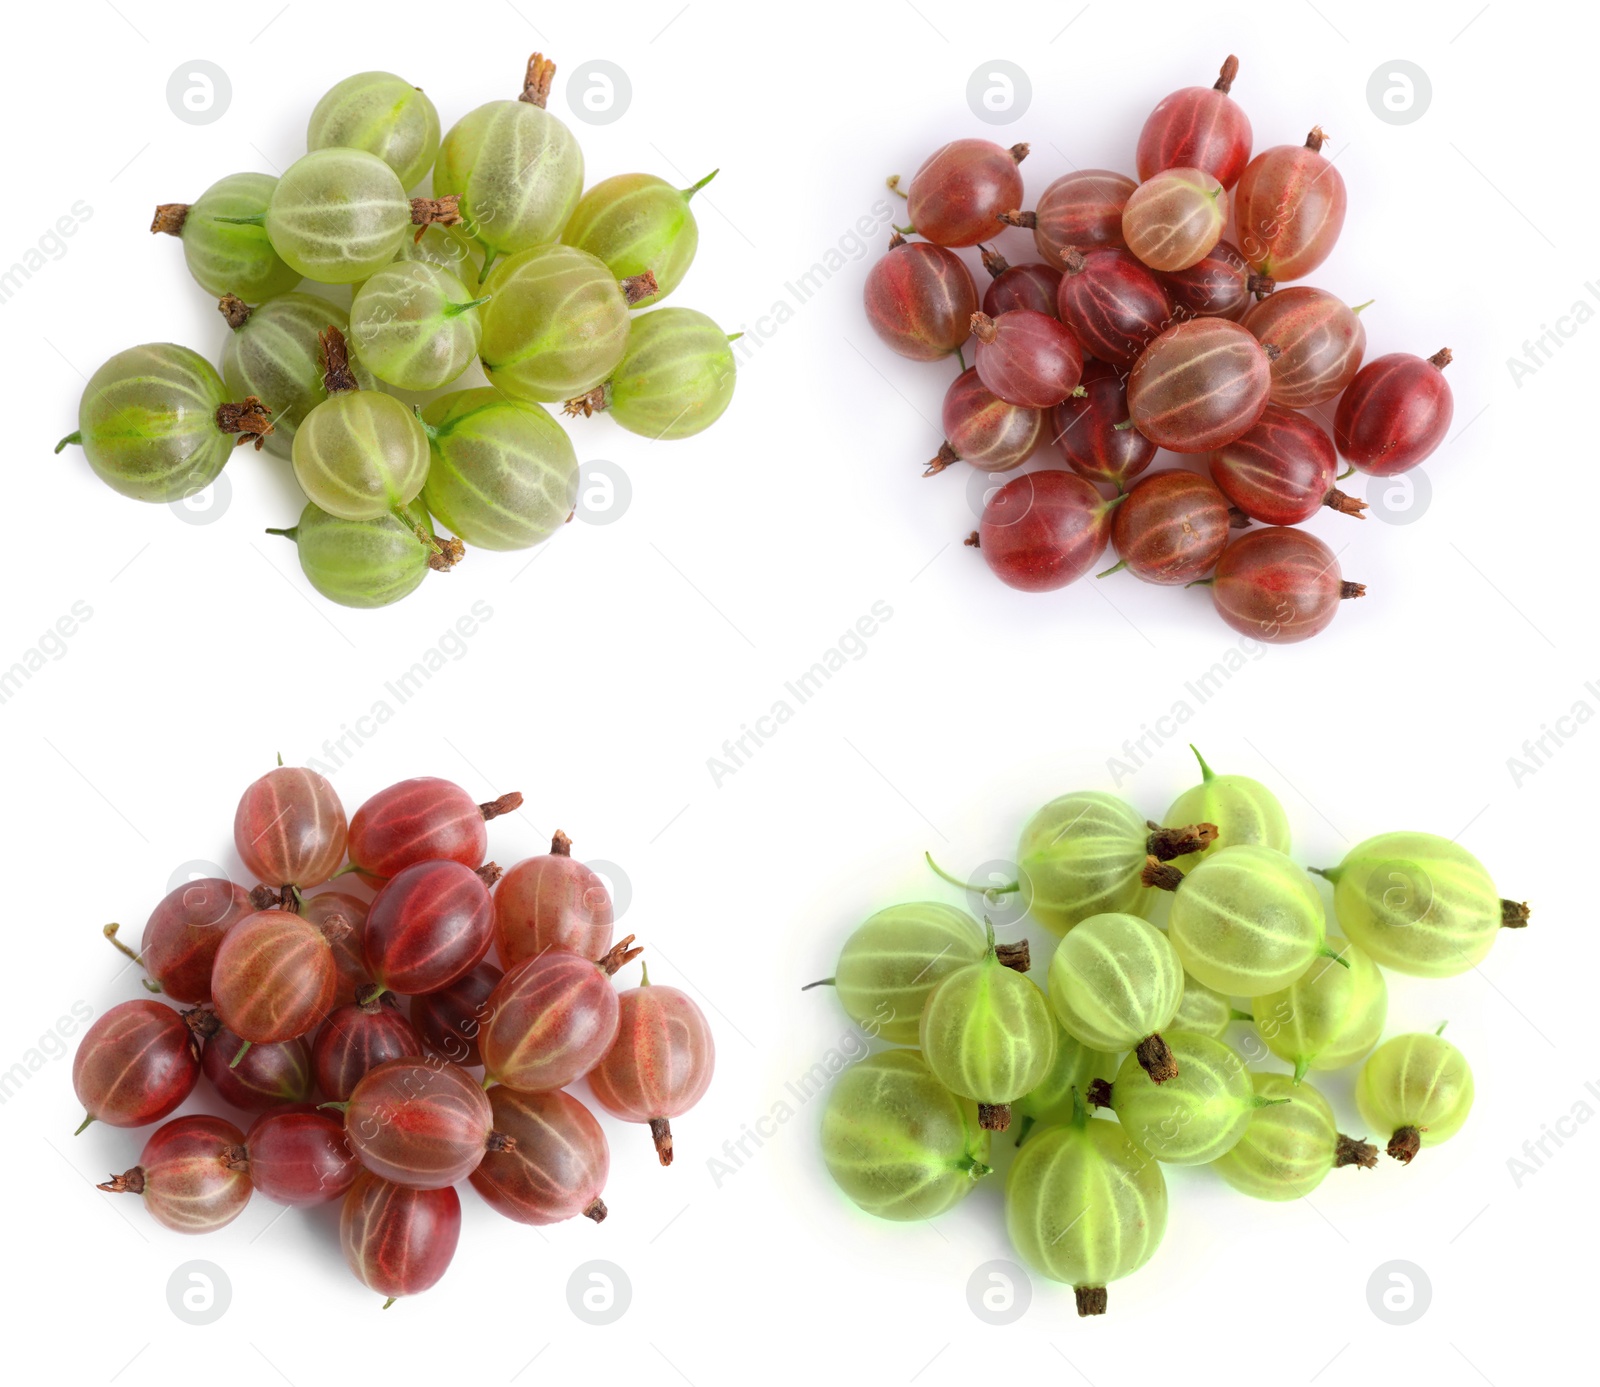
(510, 266)
(1133, 1023)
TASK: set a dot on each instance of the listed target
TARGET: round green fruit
(637, 222)
(385, 116)
(1205, 1011)
(1289, 1146)
(363, 563)
(415, 326)
(676, 377)
(1329, 1016)
(224, 242)
(1243, 810)
(1417, 1087)
(338, 215)
(1115, 983)
(1061, 1092)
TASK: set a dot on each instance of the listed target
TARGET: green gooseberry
(987, 1034)
(224, 244)
(1329, 1016)
(1115, 983)
(1205, 1011)
(1193, 1117)
(556, 324)
(449, 248)
(1085, 1206)
(1290, 1145)
(1060, 1093)
(415, 325)
(1245, 921)
(890, 964)
(1243, 810)
(1419, 1088)
(1420, 904)
(676, 377)
(899, 1143)
(1083, 854)
(382, 114)
(365, 563)
(156, 423)
(503, 473)
(516, 169)
(637, 222)
(274, 353)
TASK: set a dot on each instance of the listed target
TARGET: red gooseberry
(1320, 342)
(1222, 285)
(1174, 218)
(1094, 433)
(192, 1174)
(920, 299)
(1282, 470)
(551, 902)
(274, 976)
(1199, 385)
(1043, 530)
(1081, 209)
(135, 1064)
(421, 820)
(449, 1021)
(398, 1241)
(263, 1077)
(1171, 528)
(181, 936)
(1279, 585)
(290, 828)
(1018, 286)
(1113, 305)
(355, 1040)
(349, 951)
(1026, 358)
(299, 1156)
(961, 188)
(981, 428)
(558, 1166)
(1395, 412)
(428, 925)
(1198, 127)
(420, 1123)
(1289, 205)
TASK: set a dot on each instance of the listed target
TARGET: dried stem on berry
(637, 287)
(444, 554)
(1352, 590)
(250, 419)
(1156, 1059)
(560, 845)
(1018, 151)
(1014, 956)
(170, 217)
(235, 310)
(1159, 874)
(1316, 139)
(337, 375)
(1344, 504)
(1230, 70)
(994, 1117)
(983, 327)
(587, 404)
(597, 1211)
(1027, 220)
(661, 1135)
(1514, 914)
(507, 802)
(129, 1182)
(993, 261)
(536, 85)
(620, 954)
(1405, 1143)
(498, 1141)
(945, 456)
(425, 211)
(1442, 358)
(971, 541)
(1237, 519)
(489, 873)
(1098, 1093)
(1164, 844)
(1349, 1151)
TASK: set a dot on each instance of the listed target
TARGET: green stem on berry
(820, 982)
(1257, 1101)
(259, 219)
(1206, 773)
(87, 1119)
(695, 188)
(1200, 583)
(1346, 474)
(971, 886)
(243, 1049)
(1023, 1128)
(391, 1300)
(1326, 952)
(1329, 874)
(490, 255)
(1439, 1029)
(1123, 426)
(1302, 1067)
(453, 310)
(74, 437)
(1115, 568)
(961, 360)
(1360, 306)
(906, 230)
(1234, 1014)
(293, 532)
(342, 1104)
(892, 183)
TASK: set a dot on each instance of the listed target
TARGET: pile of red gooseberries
(352, 1026)
(1147, 324)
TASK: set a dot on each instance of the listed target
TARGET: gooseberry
(1114, 305)
(258, 1078)
(1115, 983)
(981, 428)
(1198, 127)
(1171, 528)
(1220, 285)
(1329, 1016)
(1289, 205)
(920, 299)
(338, 215)
(1419, 1087)
(290, 828)
(1019, 286)
(430, 924)
(556, 1164)
(1199, 385)
(398, 1241)
(299, 1156)
(1204, 1011)
(637, 222)
(1282, 470)
(551, 902)
(1243, 811)
(274, 977)
(1394, 413)
(384, 115)
(955, 197)
(1026, 358)
(450, 1020)
(135, 1064)
(421, 820)
(1174, 218)
(355, 1040)
(675, 379)
(1043, 530)
(224, 243)
(1289, 1146)
(1320, 342)
(1094, 433)
(1079, 210)
(419, 1123)
(1279, 585)
(192, 1174)
(415, 325)
(369, 563)
(1059, 1094)
(348, 954)
(180, 938)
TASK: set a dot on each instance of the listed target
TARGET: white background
(617, 661)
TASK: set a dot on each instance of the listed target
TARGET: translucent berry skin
(382, 114)
(418, 1123)
(1085, 1206)
(349, 957)
(892, 961)
(897, 1142)
(148, 423)
(1280, 471)
(1086, 432)
(1202, 1010)
(1055, 1098)
(360, 455)
(1241, 809)
(1194, 1117)
(449, 248)
(354, 1041)
(1027, 358)
(337, 215)
(557, 1167)
(517, 170)
(362, 563)
(503, 474)
(1023, 286)
(415, 326)
(430, 924)
(1320, 342)
(920, 299)
(1200, 128)
(135, 1064)
(1418, 903)
(299, 1156)
(275, 355)
(954, 198)
(1199, 385)
(235, 257)
(1246, 921)
(1216, 286)
(1172, 528)
(1417, 1082)
(398, 1241)
(181, 936)
(1044, 530)
(265, 1077)
(1114, 981)
(552, 1019)
(556, 324)
(449, 1021)
(1082, 855)
(290, 828)
(637, 222)
(1113, 305)
(982, 429)
(675, 379)
(191, 1174)
(1289, 206)
(1329, 1016)
(551, 902)
(1279, 585)
(660, 1064)
(1287, 1149)
(1393, 414)
(274, 977)
(424, 819)
(1080, 210)
(1174, 218)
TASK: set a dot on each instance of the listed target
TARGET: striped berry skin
(1203, 1010)
(274, 977)
(299, 1156)
(1419, 1088)
(1279, 585)
(1197, 1114)
(1043, 530)
(1320, 341)
(558, 1164)
(1115, 981)
(1394, 413)
(1328, 1017)
(1033, 285)
(1200, 128)
(1289, 205)
(191, 1173)
(349, 953)
(676, 377)
(1199, 385)
(421, 820)
(264, 1077)
(1282, 470)
(1082, 855)
(660, 1064)
(290, 828)
(1288, 1148)
(338, 215)
(920, 299)
(382, 114)
(448, 1022)
(637, 222)
(1087, 434)
(135, 1064)
(553, 1017)
(429, 925)
(181, 936)
(361, 454)
(415, 325)
(1243, 810)
(1114, 305)
(961, 188)
(355, 1040)
(1171, 529)
(551, 902)
(1217, 286)
(230, 257)
(1080, 210)
(419, 1123)
(1174, 218)
(982, 429)
(398, 1241)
